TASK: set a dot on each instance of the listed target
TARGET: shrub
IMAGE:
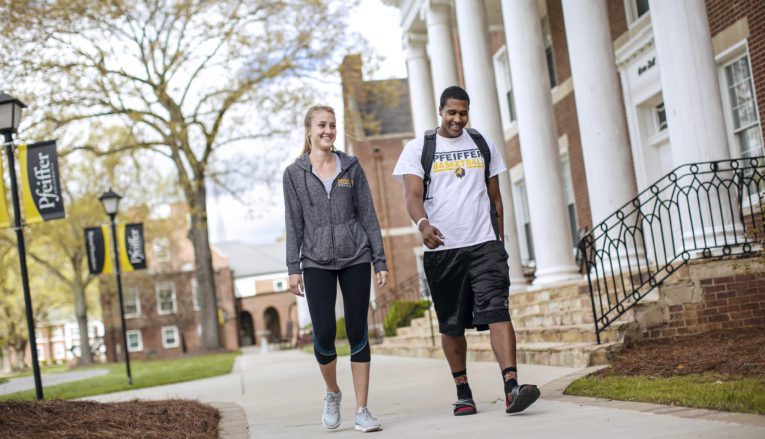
(401, 313)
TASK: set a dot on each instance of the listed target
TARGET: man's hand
(296, 285)
(431, 236)
(382, 278)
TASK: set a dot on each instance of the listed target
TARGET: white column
(689, 81)
(539, 143)
(441, 46)
(420, 83)
(484, 111)
(600, 111)
(694, 109)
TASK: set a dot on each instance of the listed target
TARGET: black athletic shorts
(469, 286)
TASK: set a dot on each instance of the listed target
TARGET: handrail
(698, 210)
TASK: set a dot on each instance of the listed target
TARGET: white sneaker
(331, 416)
(366, 422)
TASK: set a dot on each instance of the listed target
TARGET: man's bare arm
(495, 196)
(413, 189)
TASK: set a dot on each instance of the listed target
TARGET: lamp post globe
(110, 201)
(10, 114)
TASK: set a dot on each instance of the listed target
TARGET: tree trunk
(205, 274)
(81, 311)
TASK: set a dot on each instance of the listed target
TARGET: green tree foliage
(186, 78)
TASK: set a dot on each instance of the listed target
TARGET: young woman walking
(333, 234)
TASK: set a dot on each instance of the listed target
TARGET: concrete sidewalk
(48, 379)
(282, 394)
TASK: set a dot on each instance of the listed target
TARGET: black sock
(463, 388)
(510, 376)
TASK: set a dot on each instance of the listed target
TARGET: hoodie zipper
(329, 198)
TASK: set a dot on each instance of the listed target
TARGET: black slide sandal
(523, 397)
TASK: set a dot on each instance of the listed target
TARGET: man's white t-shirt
(458, 201)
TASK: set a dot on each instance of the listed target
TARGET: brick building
(162, 302)
(595, 103)
(632, 136)
(267, 309)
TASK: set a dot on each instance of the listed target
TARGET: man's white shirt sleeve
(410, 160)
(497, 164)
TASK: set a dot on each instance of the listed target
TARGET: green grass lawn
(709, 391)
(146, 373)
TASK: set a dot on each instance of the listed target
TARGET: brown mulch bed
(87, 419)
(731, 352)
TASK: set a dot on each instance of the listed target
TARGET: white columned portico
(420, 83)
(689, 81)
(599, 110)
(484, 112)
(694, 110)
(441, 46)
(539, 143)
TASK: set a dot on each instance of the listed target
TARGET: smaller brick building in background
(162, 303)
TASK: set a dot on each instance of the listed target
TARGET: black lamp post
(110, 200)
(10, 116)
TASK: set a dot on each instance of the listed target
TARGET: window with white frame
(40, 353)
(568, 189)
(523, 218)
(170, 337)
(57, 333)
(743, 116)
(161, 249)
(635, 9)
(134, 340)
(280, 285)
(166, 303)
(59, 351)
(195, 294)
(504, 87)
(547, 34)
(132, 301)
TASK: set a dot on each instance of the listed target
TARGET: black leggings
(321, 293)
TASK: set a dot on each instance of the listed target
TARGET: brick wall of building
(286, 308)
(728, 302)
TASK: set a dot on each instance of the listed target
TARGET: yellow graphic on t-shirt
(457, 161)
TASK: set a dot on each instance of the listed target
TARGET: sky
(379, 24)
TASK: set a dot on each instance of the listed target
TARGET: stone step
(531, 297)
(551, 319)
(552, 354)
(583, 333)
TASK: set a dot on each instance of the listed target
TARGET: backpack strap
(426, 158)
(483, 147)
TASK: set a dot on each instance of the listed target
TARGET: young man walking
(452, 194)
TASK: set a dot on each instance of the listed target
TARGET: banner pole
(23, 263)
(118, 272)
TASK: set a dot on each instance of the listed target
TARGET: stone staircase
(553, 326)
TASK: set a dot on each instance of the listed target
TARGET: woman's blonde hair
(308, 118)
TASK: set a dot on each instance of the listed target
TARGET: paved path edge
(554, 391)
(233, 420)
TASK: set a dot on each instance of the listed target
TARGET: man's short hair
(454, 92)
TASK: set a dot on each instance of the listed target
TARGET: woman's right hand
(296, 285)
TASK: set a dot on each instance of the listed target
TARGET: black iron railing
(699, 210)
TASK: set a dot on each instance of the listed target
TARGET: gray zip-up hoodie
(330, 231)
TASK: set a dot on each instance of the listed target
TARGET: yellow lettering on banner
(5, 221)
(31, 214)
